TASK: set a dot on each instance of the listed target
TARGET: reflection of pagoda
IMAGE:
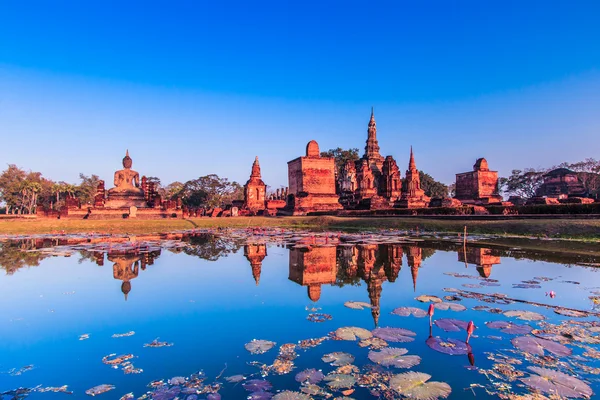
(255, 253)
(414, 256)
(371, 261)
(312, 268)
(482, 257)
(393, 262)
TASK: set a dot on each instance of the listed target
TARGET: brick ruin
(562, 183)
(479, 186)
(412, 195)
(312, 183)
(255, 253)
(255, 190)
(483, 258)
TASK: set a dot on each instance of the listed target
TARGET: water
(209, 296)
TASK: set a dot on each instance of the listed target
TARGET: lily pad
(415, 385)
(357, 305)
(557, 383)
(449, 306)
(257, 385)
(524, 315)
(234, 378)
(424, 298)
(374, 343)
(338, 381)
(394, 357)
(452, 347)
(397, 335)
(352, 333)
(536, 345)
(451, 324)
(408, 311)
(509, 327)
(96, 390)
(311, 375)
(571, 313)
(259, 346)
(289, 395)
(260, 396)
(338, 358)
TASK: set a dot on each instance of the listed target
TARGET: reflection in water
(127, 266)
(255, 253)
(482, 257)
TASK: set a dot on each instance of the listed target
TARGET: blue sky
(192, 88)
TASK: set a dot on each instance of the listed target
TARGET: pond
(294, 315)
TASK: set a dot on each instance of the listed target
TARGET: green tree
(523, 183)
(10, 182)
(209, 191)
(341, 156)
(86, 190)
(431, 187)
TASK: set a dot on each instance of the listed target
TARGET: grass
(588, 229)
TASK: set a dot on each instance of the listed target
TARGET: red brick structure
(412, 194)
(479, 186)
(372, 182)
(255, 190)
(255, 253)
(312, 183)
(414, 256)
(562, 183)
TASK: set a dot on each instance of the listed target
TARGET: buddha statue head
(127, 161)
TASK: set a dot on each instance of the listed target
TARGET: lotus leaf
(525, 286)
(357, 305)
(259, 346)
(338, 358)
(310, 375)
(289, 395)
(451, 324)
(414, 385)
(571, 313)
(178, 380)
(96, 390)
(338, 381)
(557, 383)
(234, 378)
(257, 385)
(407, 311)
(428, 299)
(449, 306)
(352, 333)
(452, 347)
(260, 396)
(472, 285)
(536, 345)
(397, 335)
(394, 357)
(373, 343)
(319, 317)
(524, 315)
(509, 327)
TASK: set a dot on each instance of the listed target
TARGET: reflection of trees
(210, 247)
(15, 255)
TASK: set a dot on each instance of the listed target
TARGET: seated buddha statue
(127, 181)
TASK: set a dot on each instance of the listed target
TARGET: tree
(209, 191)
(86, 191)
(341, 157)
(171, 191)
(431, 187)
(588, 172)
(10, 181)
(523, 183)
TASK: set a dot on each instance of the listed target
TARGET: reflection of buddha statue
(126, 268)
(127, 181)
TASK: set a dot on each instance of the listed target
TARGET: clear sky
(198, 87)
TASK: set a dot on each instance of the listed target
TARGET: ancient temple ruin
(312, 183)
(479, 186)
(255, 190)
(412, 194)
(371, 182)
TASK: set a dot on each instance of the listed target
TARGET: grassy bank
(572, 228)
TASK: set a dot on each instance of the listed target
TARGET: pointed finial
(372, 111)
(127, 153)
(411, 164)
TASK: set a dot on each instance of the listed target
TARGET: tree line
(23, 191)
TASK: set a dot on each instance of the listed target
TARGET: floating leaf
(289, 395)
(373, 343)
(157, 343)
(259, 346)
(450, 346)
(509, 327)
(571, 313)
(414, 385)
(451, 324)
(319, 317)
(257, 385)
(525, 315)
(536, 345)
(394, 357)
(472, 285)
(96, 390)
(407, 311)
(260, 396)
(310, 375)
(234, 378)
(352, 333)
(449, 306)
(338, 358)
(557, 383)
(424, 298)
(398, 335)
(357, 305)
(525, 286)
(338, 381)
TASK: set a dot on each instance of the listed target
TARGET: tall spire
(372, 147)
(411, 164)
(127, 153)
(255, 169)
